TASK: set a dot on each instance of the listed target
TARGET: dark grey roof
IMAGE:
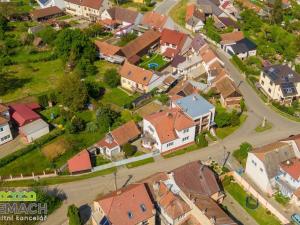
(197, 42)
(243, 45)
(280, 74)
(229, 22)
(215, 9)
(177, 60)
(123, 14)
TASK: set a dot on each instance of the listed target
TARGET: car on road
(296, 218)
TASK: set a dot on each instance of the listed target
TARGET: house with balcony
(137, 79)
(88, 9)
(167, 130)
(5, 131)
(198, 109)
(280, 83)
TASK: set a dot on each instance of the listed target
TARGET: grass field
(226, 131)
(156, 58)
(267, 126)
(177, 13)
(182, 151)
(31, 79)
(117, 96)
(260, 214)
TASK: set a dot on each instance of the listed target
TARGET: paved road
(84, 192)
(165, 6)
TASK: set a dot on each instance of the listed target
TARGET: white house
(168, 130)
(242, 49)
(187, 66)
(197, 109)
(280, 83)
(137, 79)
(87, 9)
(5, 132)
(112, 143)
(34, 130)
(263, 164)
(209, 58)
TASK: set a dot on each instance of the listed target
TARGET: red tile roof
(23, 113)
(232, 37)
(107, 142)
(167, 122)
(45, 12)
(125, 133)
(136, 74)
(80, 162)
(154, 20)
(295, 138)
(172, 37)
(291, 167)
(170, 53)
(129, 200)
(94, 4)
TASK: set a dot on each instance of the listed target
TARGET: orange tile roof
(173, 205)
(227, 87)
(207, 54)
(136, 74)
(295, 138)
(106, 142)
(80, 162)
(118, 204)
(49, 11)
(190, 9)
(154, 20)
(126, 133)
(3, 120)
(167, 122)
(292, 167)
(107, 49)
(232, 37)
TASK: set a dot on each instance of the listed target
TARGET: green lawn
(182, 151)
(177, 13)
(101, 161)
(281, 199)
(139, 163)
(24, 56)
(117, 96)
(156, 58)
(226, 131)
(31, 79)
(260, 214)
(58, 179)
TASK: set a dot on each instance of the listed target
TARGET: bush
(112, 78)
(76, 125)
(242, 153)
(43, 100)
(201, 140)
(92, 127)
(73, 215)
(94, 90)
(234, 119)
(222, 119)
(163, 98)
(129, 149)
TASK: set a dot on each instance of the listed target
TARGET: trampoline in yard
(251, 202)
(152, 65)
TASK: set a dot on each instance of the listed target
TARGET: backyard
(154, 62)
(260, 214)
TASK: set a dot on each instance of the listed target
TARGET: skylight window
(130, 215)
(143, 207)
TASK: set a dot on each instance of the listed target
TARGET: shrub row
(38, 143)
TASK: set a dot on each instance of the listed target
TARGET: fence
(125, 161)
(33, 176)
(248, 188)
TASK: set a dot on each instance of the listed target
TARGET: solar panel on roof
(43, 1)
(105, 221)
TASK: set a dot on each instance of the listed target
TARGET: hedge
(38, 143)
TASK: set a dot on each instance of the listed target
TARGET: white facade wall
(78, 10)
(33, 136)
(110, 152)
(184, 137)
(255, 169)
(5, 133)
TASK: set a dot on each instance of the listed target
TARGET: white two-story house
(280, 83)
(88, 9)
(168, 130)
(5, 132)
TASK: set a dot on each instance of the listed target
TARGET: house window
(170, 144)
(150, 128)
(271, 83)
(261, 170)
(262, 82)
(145, 222)
(1, 129)
(5, 138)
(264, 75)
(185, 138)
(254, 163)
(186, 130)
(269, 90)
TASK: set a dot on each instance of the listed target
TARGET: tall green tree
(72, 92)
(277, 13)
(112, 77)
